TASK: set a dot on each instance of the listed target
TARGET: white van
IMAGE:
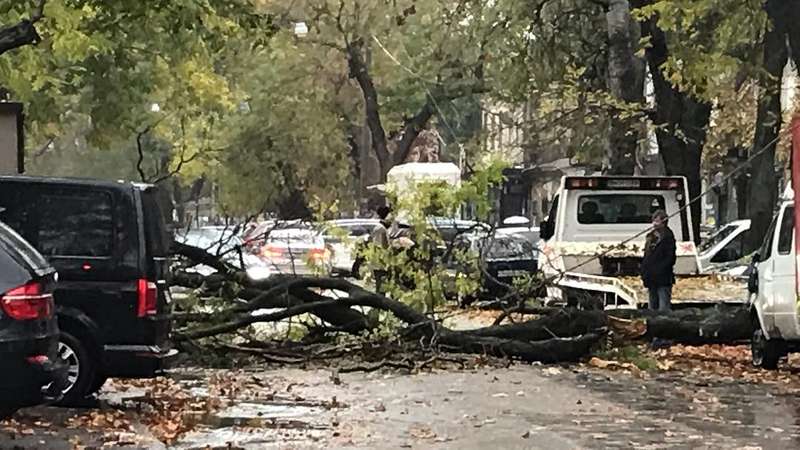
(774, 296)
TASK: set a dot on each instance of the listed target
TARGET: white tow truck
(593, 242)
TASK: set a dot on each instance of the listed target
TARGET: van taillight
(582, 183)
(28, 302)
(147, 298)
(668, 183)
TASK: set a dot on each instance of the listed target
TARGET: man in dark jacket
(658, 262)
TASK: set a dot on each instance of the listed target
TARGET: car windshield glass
(211, 240)
(618, 208)
(717, 237)
(508, 247)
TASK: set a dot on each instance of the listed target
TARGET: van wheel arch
(85, 344)
(82, 327)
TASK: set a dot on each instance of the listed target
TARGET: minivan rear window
(618, 208)
(75, 223)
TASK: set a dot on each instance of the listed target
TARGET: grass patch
(629, 354)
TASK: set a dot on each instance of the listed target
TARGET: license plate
(623, 183)
(511, 273)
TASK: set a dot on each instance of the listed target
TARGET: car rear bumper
(31, 382)
(137, 361)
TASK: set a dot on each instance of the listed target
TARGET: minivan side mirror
(756, 257)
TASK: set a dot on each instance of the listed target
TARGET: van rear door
(156, 260)
(612, 209)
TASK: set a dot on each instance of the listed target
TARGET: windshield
(214, 241)
(717, 237)
(506, 247)
(618, 208)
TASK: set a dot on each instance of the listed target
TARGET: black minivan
(109, 244)
(30, 370)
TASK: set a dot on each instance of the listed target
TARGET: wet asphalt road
(522, 407)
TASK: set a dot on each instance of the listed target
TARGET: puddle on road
(249, 425)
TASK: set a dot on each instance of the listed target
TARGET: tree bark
(763, 184)
(626, 82)
(681, 122)
(694, 326)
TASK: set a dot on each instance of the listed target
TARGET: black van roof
(93, 182)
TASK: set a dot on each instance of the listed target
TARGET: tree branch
(23, 33)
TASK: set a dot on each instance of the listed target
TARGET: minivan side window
(787, 231)
(75, 223)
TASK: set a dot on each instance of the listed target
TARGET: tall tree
(763, 185)
(681, 121)
(626, 83)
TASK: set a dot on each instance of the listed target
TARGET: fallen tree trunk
(561, 323)
(557, 335)
(694, 326)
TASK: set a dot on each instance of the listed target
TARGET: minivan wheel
(765, 352)
(81, 368)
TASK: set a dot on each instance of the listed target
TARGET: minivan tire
(765, 353)
(87, 368)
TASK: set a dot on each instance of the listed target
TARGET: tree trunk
(626, 82)
(360, 71)
(763, 185)
(694, 326)
(681, 122)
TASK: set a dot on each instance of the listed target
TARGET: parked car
(724, 250)
(450, 228)
(504, 258)
(31, 371)
(223, 242)
(296, 248)
(108, 242)
(343, 237)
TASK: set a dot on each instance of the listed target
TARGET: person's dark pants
(660, 298)
(381, 279)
